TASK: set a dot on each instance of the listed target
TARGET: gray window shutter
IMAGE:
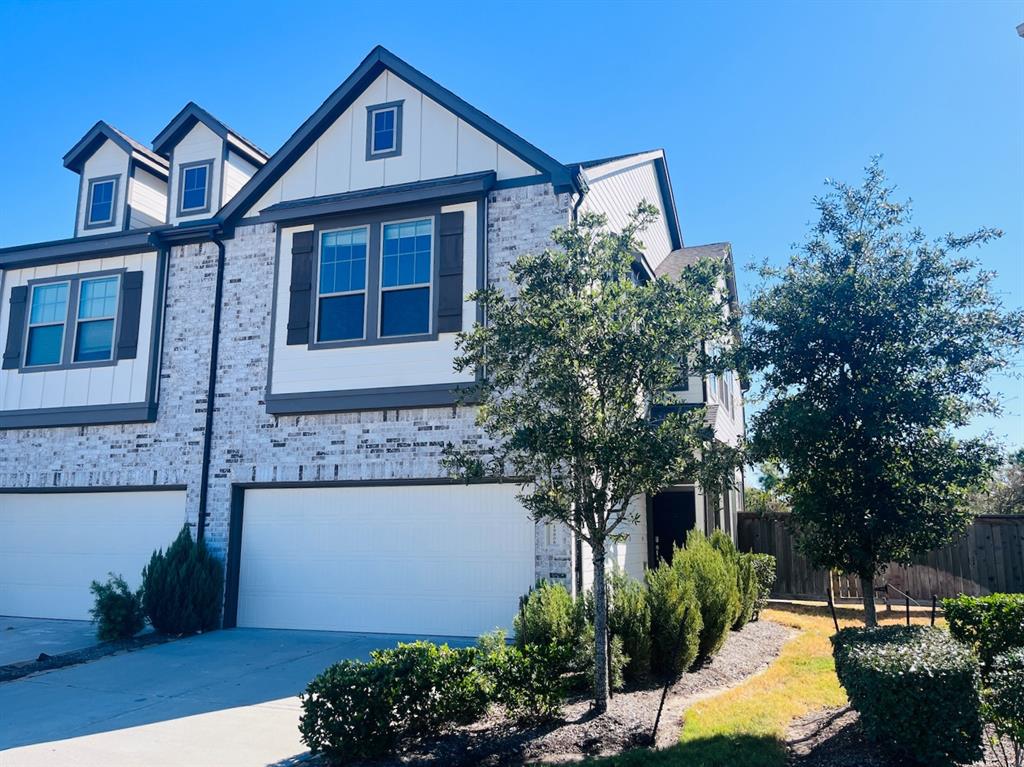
(449, 288)
(128, 321)
(16, 327)
(301, 288)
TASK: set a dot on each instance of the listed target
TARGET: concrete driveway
(23, 639)
(222, 699)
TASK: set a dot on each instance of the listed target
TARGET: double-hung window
(341, 302)
(195, 188)
(102, 194)
(405, 271)
(47, 318)
(94, 328)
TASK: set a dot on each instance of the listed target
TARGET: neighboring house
(261, 345)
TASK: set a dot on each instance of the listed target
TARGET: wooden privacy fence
(988, 558)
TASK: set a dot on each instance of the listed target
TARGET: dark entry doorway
(673, 515)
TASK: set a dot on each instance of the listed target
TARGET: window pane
(341, 318)
(384, 130)
(95, 340)
(406, 259)
(405, 312)
(102, 204)
(343, 261)
(44, 345)
(194, 188)
(49, 303)
(98, 298)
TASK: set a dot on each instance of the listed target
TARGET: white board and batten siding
(108, 160)
(53, 545)
(147, 196)
(435, 144)
(237, 172)
(426, 559)
(198, 145)
(122, 383)
(617, 187)
(297, 369)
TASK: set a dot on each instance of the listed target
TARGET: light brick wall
(248, 444)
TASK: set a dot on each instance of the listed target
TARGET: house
(261, 345)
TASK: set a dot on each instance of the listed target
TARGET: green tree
(1005, 493)
(875, 343)
(573, 364)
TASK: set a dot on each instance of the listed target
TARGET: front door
(673, 515)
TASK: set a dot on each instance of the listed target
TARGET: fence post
(935, 602)
(908, 609)
(832, 605)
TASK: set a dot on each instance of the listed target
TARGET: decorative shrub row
(990, 625)
(916, 690)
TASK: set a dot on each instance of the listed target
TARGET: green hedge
(1004, 698)
(714, 580)
(916, 691)
(764, 573)
(675, 621)
(546, 616)
(992, 625)
(629, 620)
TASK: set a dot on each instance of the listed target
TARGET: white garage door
(53, 545)
(440, 559)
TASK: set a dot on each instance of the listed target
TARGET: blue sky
(755, 104)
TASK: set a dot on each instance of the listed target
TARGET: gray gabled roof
(86, 146)
(186, 119)
(378, 60)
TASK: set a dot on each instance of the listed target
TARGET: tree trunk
(600, 632)
(867, 591)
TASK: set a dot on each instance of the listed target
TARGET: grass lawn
(746, 726)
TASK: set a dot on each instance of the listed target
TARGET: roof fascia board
(187, 118)
(79, 248)
(86, 146)
(668, 201)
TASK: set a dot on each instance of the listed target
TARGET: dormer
(123, 185)
(209, 163)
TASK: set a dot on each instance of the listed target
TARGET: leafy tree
(1005, 493)
(573, 364)
(875, 343)
(768, 498)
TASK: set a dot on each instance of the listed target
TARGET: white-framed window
(194, 187)
(384, 130)
(406, 267)
(341, 285)
(94, 323)
(48, 315)
(102, 201)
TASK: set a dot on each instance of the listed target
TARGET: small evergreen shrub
(675, 621)
(991, 625)
(746, 585)
(528, 682)
(715, 584)
(546, 616)
(764, 573)
(117, 611)
(182, 587)
(629, 620)
(722, 543)
(355, 710)
(1003, 704)
(582, 664)
(916, 690)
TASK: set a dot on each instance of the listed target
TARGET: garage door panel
(53, 545)
(443, 559)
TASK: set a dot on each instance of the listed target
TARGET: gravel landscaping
(497, 741)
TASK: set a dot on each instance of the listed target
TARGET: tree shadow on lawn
(715, 751)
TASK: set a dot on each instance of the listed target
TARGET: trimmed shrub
(722, 543)
(1003, 703)
(355, 710)
(582, 664)
(715, 583)
(916, 691)
(629, 620)
(991, 625)
(764, 574)
(746, 586)
(546, 616)
(117, 611)
(675, 621)
(528, 682)
(182, 588)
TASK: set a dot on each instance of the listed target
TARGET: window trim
(29, 325)
(78, 321)
(186, 166)
(71, 322)
(315, 326)
(375, 221)
(373, 109)
(88, 223)
(430, 286)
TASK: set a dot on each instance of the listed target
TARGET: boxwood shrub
(991, 625)
(916, 689)
(1004, 702)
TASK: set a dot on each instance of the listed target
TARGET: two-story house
(261, 345)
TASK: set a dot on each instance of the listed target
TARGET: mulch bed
(833, 737)
(627, 724)
(73, 658)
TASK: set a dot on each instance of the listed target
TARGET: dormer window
(102, 202)
(384, 130)
(194, 182)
